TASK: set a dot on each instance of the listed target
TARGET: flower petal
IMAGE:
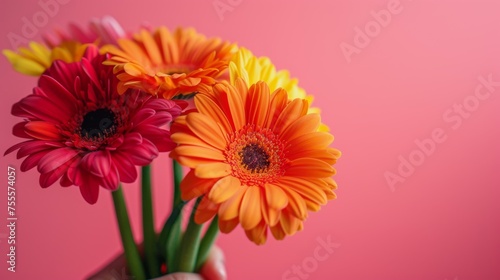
(224, 189)
(250, 210)
(212, 170)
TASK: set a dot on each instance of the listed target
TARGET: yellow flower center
(256, 155)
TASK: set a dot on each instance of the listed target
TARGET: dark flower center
(254, 158)
(98, 124)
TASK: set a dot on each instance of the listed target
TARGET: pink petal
(42, 130)
(143, 154)
(32, 161)
(98, 163)
(126, 169)
(36, 146)
(54, 90)
(110, 181)
(90, 190)
(131, 141)
(55, 158)
(142, 116)
(15, 147)
(47, 179)
(18, 130)
(159, 137)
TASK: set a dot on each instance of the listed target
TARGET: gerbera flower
(38, 57)
(82, 132)
(169, 64)
(257, 159)
(99, 31)
(253, 69)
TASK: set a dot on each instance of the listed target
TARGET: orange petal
(309, 167)
(279, 100)
(291, 113)
(250, 212)
(206, 106)
(234, 108)
(303, 125)
(308, 188)
(289, 223)
(278, 232)
(151, 47)
(258, 234)
(230, 208)
(206, 129)
(190, 82)
(187, 138)
(192, 186)
(296, 204)
(205, 211)
(257, 104)
(322, 155)
(311, 141)
(213, 170)
(200, 152)
(275, 197)
(228, 226)
(270, 215)
(224, 189)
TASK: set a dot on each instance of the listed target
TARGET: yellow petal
(23, 65)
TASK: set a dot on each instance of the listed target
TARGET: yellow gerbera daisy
(168, 64)
(252, 69)
(37, 58)
(257, 159)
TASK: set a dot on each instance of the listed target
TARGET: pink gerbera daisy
(81, 131)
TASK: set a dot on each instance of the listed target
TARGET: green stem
(206, 243)
(177, 204)
(178, 175)
(173, 247)
(190, 243)
(129, 246)
(150, 250)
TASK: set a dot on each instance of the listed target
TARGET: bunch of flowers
(255, 151)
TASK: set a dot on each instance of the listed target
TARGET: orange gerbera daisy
(169, 64)
(257, 159)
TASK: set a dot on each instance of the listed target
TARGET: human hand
(213, 269)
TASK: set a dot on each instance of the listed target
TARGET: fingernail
(221, 270)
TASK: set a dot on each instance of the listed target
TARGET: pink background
(441, 222)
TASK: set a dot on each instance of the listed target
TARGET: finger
(115, 270)
(214, 268)
(180, 276)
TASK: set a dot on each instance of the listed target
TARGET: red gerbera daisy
(81, 131)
